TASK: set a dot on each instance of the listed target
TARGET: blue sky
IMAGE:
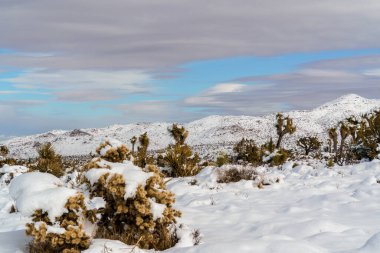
(135, 61)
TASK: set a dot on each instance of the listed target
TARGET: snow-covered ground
(208, 136)
(311, 209)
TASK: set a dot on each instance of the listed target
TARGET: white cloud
(227, 88)
(83, 85)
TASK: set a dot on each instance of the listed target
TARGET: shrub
(4, 151)
(48, 161)
(179, 156)
(234, 174)
(309, 144)
(138, 208)
(277, 157)
(69, 237)
(113, 151)
(58, 213)
(222, 159)
(247, 151)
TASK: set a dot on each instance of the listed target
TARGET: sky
(89, 63)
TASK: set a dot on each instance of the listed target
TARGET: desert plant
(246, 150)
(309, 144)
(48, 161)
(138, 208)
(142, 158)
(113, 151)
(222, 159)
(283, 126)
(64, 234)
(133, 142)
(235, 174)
(277, 157)
(179, 156)
(4, 151)
(333, 138)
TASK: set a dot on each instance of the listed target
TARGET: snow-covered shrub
(48, 161)
(179, 156)
(277, 157)
(138, 209)
(236, 174)
(58, 213)
(113, 151)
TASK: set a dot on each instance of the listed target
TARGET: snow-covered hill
(209, 135)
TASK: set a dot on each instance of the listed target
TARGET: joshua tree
(133, 142)
(283, 126)
(333, 135)
(309, 144)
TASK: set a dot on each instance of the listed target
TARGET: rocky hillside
(208, 136)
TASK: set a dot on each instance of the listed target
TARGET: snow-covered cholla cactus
(58, 213)
(113, 151)
(138, 209)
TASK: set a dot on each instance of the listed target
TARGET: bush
(247, 151)
(113, 151)
(309, 144)
(4, 151)
(277, 157)
(233, 175)
(70, 237)
(138, 208)
(222, 159)
(48, 161)
(179, 157)
(58, 213)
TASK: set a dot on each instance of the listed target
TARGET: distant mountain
(208, 136)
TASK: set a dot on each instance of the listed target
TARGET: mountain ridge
(209, 135)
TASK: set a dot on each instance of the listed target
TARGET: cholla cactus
(113, 151)
(65, 234)
(138, 208)
(141, 157)
(179, 157)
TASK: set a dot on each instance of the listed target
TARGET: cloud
(304, 88)
(83, 85)
(149, 35)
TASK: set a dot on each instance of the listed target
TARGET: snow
(312, 209)
(156, 209)
(133, 176)
(112, 143)
(35, 190)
